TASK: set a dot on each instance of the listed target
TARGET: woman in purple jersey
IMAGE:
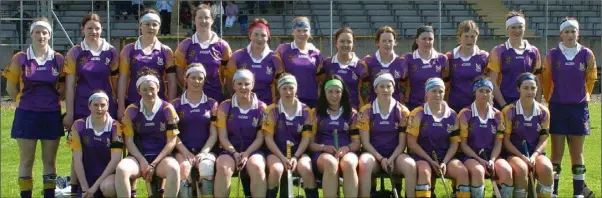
(568, 78)
(507, 61)
(287, 124)
(97, 143)
(385, 60)
(147, 51)
(482, 132)
(423, 63)
(207, 48)
(466, 62)
(150, 128)
(39, 74)
(259, 59)
(198, 134)
(302, 59)
(348, 66)
(239, 122)
(335, 118)
(382, 126)
(525, 138)
(433, 139)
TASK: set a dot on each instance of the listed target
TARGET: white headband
(143, 79)
(98, 95)
(569, 23)
(196, 69)
(242, 73)
(514, 20)
(150, 17)
(40, 23)
(383, 77)
(287, 79)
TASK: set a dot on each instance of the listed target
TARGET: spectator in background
(218, 11)
(259, 5)
(231, 13)
(26, 23)
(164, 7)
(137, 5)
(121, 8)
(185, 14)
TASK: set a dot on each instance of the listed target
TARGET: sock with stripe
(423, 190)
(75, 191)
(25, 186)
(544, 191)
(557, 169)
(49, 185)
(578, 179)
(463, 191)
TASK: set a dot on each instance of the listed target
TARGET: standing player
(527, 124)
(239, 122)
(385, 60)
(38, 72)
(302, 59)
(568, 79)
(151, 134)
(334, 113)
(482, 130)
(259, 59)
(382, 126)
(348, 66)
(149, 52)
(466, 62)
(433, 130)
(97, 143)
(508, 60)
(207, 48)
(422, 64)
(289, 120)
(197, 134)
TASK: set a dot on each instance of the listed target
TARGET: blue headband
(482, 83)
(528, 76)
(432, 83)
(301, 24)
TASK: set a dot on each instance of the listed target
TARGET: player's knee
(206, 167)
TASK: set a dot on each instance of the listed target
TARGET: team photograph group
(187, 122)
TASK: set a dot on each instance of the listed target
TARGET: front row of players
(167, 140)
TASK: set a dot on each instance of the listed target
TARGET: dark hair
(514, 13)
(201, 7)
(259, 20)
(426, 28)
(477, 79)
(522, 77)
(322, 104)
(385, 29)
(147, 71)
(341, 31)
(90, 17)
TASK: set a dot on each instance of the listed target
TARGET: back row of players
(95, 79)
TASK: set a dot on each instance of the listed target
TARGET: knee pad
(579, 169)
(25, 184)
(478, 191)
(506, 191)
(423, 190)
(520, 193)
(49, 181)
(207, 187)
(206, 167)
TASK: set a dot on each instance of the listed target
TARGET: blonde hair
(465, 27)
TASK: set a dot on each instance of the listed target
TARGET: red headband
(260, 25)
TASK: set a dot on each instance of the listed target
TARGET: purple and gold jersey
(522, 128)
(37, 80)
(304, 65)
(96, 147)
(265, 70)
(323, 127)
(287, 128)
(213, 55)
(354, 74)
(509, 63)
(569, 80)
(461, 73)
(195, 121)
(241, 125)
(481, 133)
(384, 129)
(149, 132)
(420, 70)
(92, 71)
(434, 134)
(397, 68)
(132, 59)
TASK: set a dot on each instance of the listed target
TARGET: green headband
(335, 82)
